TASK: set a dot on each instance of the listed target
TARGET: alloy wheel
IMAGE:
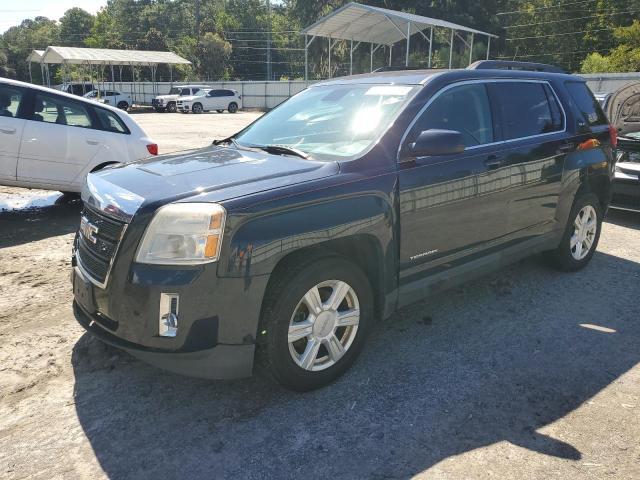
(323, 325)
(585, 227)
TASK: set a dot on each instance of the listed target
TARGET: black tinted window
(527, 109)
(586, 103)
(228, 93)
(464, 109)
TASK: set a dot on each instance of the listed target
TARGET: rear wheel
(159, 109)
(317, 317)
(171, 107)
(233, 107)
(220, 111)
(196, 108)
(123, 105)
(581, 234)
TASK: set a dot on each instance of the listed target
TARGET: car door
(451, 207)
(58, 141)
(535, 146)
(11, 129)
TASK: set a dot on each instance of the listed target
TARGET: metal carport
(103, 57)
(377, 26)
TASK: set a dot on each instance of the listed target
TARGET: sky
(13, 12)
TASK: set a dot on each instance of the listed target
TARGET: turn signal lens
(613, 133)
(211, 248)
(153, 148)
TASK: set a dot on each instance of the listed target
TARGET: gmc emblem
(88, 229)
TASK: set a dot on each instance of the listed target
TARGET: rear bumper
(219, 362)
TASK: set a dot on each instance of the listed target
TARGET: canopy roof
(364, 23)
(104, 56)
(35, 56)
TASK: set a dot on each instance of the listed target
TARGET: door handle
(492, 162)
(8, 130)
(90, 141)
(566, 148)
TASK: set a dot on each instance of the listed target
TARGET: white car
(218, 99)
(52, 140)
(167, 103)
(111, 97)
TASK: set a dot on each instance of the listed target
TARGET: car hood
(211, 174)
(623, 109)
(166, 97)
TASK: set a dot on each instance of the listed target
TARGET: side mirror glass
(436, 142)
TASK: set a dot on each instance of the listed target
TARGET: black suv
(353, 198)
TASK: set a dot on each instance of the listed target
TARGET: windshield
(330, 122)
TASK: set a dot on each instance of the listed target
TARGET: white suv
(52, 140)
(167, 103)
(111, 97)
(218, 99)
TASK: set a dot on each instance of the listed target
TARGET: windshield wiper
(230, 140)
(283, 150)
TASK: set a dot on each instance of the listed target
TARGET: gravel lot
(526, 374)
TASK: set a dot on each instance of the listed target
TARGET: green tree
(212, 53)
(75, 27)
(625, 57)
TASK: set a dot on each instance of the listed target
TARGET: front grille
(96, 257)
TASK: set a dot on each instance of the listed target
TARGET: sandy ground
(525, 374)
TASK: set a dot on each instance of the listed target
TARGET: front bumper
(219, 362)
(183, 107)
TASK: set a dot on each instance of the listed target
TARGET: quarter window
(110, 122)
(527, 109)
(465, 109)
(53, 109)
(10, 99)
(586, 103)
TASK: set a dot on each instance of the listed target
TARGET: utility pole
(269, 41)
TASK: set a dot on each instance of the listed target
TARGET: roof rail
(507, 65)
(396, 69)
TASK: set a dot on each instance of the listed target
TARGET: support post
(306, 59)
(390, 53)
(451, 49)
(430, 46)
(488, 46)
(329, 57)
(406, 57)
(30, 77)
(351, 58)
(371, 61)
(471, 49)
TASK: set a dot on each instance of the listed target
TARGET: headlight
(183, 234)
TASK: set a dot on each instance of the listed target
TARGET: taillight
(613, 133)
(153, 148)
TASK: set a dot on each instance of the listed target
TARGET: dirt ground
(525, 374)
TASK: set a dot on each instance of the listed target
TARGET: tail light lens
(613, 133)
(152, 148)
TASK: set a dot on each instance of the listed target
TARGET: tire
(233, 107)
(580, 233)
(123, 106)
(197, 108)
(171, 107)
(220, 111)
(336, 347)
(159, 109)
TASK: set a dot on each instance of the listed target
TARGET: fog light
(168, 317)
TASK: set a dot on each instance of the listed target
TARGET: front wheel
(581, 235)
(233, 107)
(171, 107)
(159, 109)
(317, 317)
(197, 108)
(220, 111)
(123, 105)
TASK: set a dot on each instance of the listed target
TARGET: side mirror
(437, 142)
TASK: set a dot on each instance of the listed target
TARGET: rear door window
(526, 109)
(464, 108)
(586, 104)
(60, 110)
(110, 122)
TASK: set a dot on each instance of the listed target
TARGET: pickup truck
(348, 201)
